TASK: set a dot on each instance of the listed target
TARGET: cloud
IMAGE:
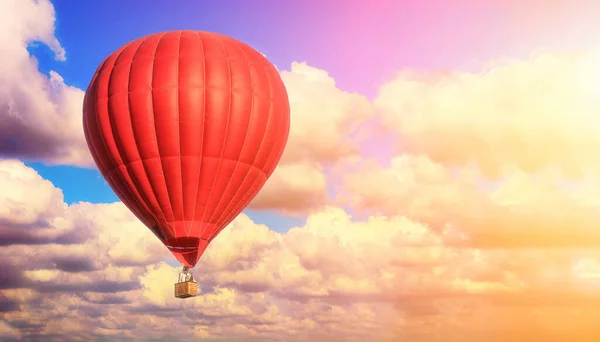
(323, 122)
(17, 205)
(501, 159)
(531, 114)
(7, 331)
(294, 188)
(523, 210)
(28, 97)
(382, 277)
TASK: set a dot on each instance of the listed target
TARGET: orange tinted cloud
(531, 114)
(504, 159)
(538, 210)
(336, 277)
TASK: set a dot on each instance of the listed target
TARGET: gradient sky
(440, 185)
(360, 46)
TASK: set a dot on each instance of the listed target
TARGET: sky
(441, 182)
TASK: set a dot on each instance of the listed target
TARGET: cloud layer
(40, 114)
(381, 278)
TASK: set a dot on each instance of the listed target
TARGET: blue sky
(91, 30)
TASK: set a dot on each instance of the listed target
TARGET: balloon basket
(186, 289)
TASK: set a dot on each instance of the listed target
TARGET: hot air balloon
(186, 127)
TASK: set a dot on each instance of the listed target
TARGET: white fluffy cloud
(323, 121)
(40, 114)
(26, 197)
(506, 158)
(531, 115)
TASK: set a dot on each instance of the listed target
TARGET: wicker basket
(186, 289)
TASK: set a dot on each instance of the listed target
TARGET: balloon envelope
(186, 127)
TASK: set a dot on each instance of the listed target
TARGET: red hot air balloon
(186, 127)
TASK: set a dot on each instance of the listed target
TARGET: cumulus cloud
(501, 159)
(523, 210)
(17, 203)
(530, 114)
(40, 114)
(324, 120)
(336, 277)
